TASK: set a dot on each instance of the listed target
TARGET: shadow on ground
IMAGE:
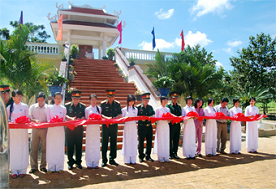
(79, 178)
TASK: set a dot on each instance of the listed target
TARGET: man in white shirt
(38, 114)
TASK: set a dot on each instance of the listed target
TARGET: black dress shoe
(141, 160)
(149, 159)
(32, 170)
(43, 170)
(176, 157)
(170, 157)
(104, 164)
(70, 167)
(79, 166)
(113, 162)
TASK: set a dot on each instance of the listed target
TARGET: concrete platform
(224, 171)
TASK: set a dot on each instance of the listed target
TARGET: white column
(100, 53)
(104, 45)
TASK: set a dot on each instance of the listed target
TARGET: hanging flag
(153, 39)
(59, 22)
(183, 42)
(119, 27)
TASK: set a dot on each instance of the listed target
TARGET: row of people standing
(166, 147)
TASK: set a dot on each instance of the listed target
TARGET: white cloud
(161, 44)
(207, 6)
(161, 14)
(228, 50)
(218, 64)
(234, 43)
(193, 39)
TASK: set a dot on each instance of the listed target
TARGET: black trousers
(74, 140)
(111, 132)
(145, 132)
(174, 138)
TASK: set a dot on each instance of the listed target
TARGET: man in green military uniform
(145, 128)
(110, 109)
(6, 93)
(75, 110)
(174, 128)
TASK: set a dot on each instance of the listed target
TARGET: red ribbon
(95, 117)
(71, 124)
(22, 119)
(174, 118)
(55, 119)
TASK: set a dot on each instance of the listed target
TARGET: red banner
(72, 124)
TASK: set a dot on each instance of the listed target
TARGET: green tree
(5, 34)
(256, 63)
(194, 77)
(259, 92)
(159, 68)
(37, 32)
(19, 66)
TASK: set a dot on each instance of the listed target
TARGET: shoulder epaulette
(67, 103)
(138, 105)
(117, 101)
(104, 101)
(82, 103)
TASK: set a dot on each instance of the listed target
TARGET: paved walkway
(224, 171)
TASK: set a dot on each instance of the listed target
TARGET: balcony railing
(43, 48)
(143, 55)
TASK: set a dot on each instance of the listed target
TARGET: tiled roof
(88, 11)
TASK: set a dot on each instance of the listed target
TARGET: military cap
(110, 92)
(76, 94)
(174, 94)
(4, 88)
(146, 96)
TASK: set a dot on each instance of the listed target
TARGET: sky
(220, 26)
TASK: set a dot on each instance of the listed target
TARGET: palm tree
(19, 66)
(259, 92)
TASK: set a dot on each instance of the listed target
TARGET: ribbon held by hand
(174, 118)
(22, 119)
(94, 116)
(219, 114)
(55, 119)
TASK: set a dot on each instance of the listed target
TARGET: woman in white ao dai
(92, 142)
(129, 150)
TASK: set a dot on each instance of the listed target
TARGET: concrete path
(224, 171)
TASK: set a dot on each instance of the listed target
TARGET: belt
(221, 122)
(144, 125)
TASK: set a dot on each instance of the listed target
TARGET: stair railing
(135, 74)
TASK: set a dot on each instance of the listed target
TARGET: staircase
(94, 77)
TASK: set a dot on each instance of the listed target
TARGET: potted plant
(131, 62)
(74, 51)
(104, 58)
(110, 53)
(138, 95)
(125, 79)
(71, 68)
(72, 75)
(55, 82)
(68, 95)
(71, 61)
(120, 71)
(64, 58)
(116, 65)
(164, 84)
